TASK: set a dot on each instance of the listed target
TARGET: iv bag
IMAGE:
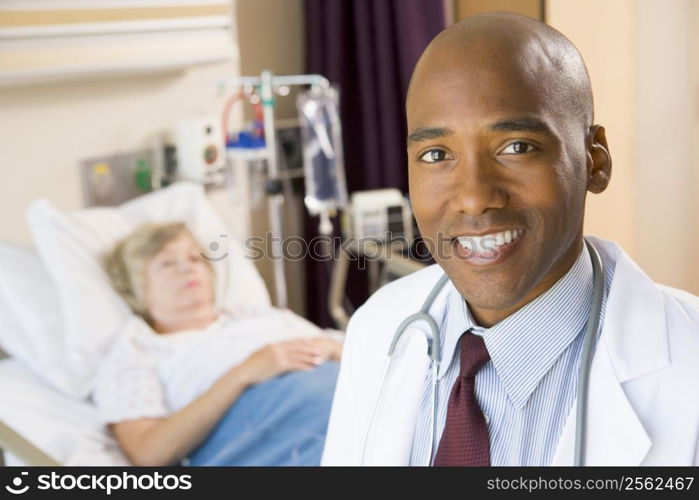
(323, 161)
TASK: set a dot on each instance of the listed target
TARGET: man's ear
(599, 161)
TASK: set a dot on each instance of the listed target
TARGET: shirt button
(487, 419)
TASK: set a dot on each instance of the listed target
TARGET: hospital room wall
(47, 129)
(643, 63)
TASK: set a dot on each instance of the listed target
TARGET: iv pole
(266, 84)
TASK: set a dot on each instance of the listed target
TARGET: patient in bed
(186, 383)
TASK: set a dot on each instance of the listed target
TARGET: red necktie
(465, 439)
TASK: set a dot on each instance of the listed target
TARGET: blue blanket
(280, 422)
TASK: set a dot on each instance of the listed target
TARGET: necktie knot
(474, 354)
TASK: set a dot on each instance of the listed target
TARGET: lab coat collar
(633, 343)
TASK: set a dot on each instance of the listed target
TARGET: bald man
(502, 153)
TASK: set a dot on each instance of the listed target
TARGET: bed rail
(12, 442)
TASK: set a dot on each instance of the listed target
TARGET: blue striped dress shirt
(527, 388)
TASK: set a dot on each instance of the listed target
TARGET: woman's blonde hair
(126, 263)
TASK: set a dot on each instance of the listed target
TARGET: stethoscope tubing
(586, 355)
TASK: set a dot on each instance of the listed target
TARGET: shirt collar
(524, 346)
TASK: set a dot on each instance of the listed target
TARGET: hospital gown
(278, 422)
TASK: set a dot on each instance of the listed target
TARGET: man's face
(498, 175)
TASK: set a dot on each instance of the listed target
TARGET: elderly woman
(185, 383)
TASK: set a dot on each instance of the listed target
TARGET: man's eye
(518, 148)
(434, 156)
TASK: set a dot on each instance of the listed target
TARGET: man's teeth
(489, 241)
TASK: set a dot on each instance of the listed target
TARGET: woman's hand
(329, 348)
(282, 357)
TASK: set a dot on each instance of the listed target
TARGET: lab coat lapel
(633, 342)
(615, 435)
(391, 435)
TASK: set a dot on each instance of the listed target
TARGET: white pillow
(72, 246)
(30, 315)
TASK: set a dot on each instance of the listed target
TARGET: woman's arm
(164, 441)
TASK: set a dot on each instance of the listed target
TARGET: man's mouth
(488, 249)
(489, 241)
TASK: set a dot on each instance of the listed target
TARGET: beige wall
(465, 8)
(642, 65)
(271, 36)
(608, 52)
(665, 143)
(694, 16)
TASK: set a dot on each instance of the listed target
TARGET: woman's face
(178, 281)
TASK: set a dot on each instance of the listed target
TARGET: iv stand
(266, 84)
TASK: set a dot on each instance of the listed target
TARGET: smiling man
(502, 151)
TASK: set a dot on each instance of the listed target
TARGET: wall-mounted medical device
(201, 153)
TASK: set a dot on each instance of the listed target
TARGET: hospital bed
(46, 416)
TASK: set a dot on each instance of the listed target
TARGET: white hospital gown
(152, 375)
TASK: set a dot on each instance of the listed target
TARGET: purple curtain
(369, 49)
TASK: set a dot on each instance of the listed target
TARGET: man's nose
(478, 186)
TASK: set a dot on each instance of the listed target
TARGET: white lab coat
(644, 381)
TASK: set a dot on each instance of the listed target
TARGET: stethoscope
(435, 354)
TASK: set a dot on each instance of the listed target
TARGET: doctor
(502, 152)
